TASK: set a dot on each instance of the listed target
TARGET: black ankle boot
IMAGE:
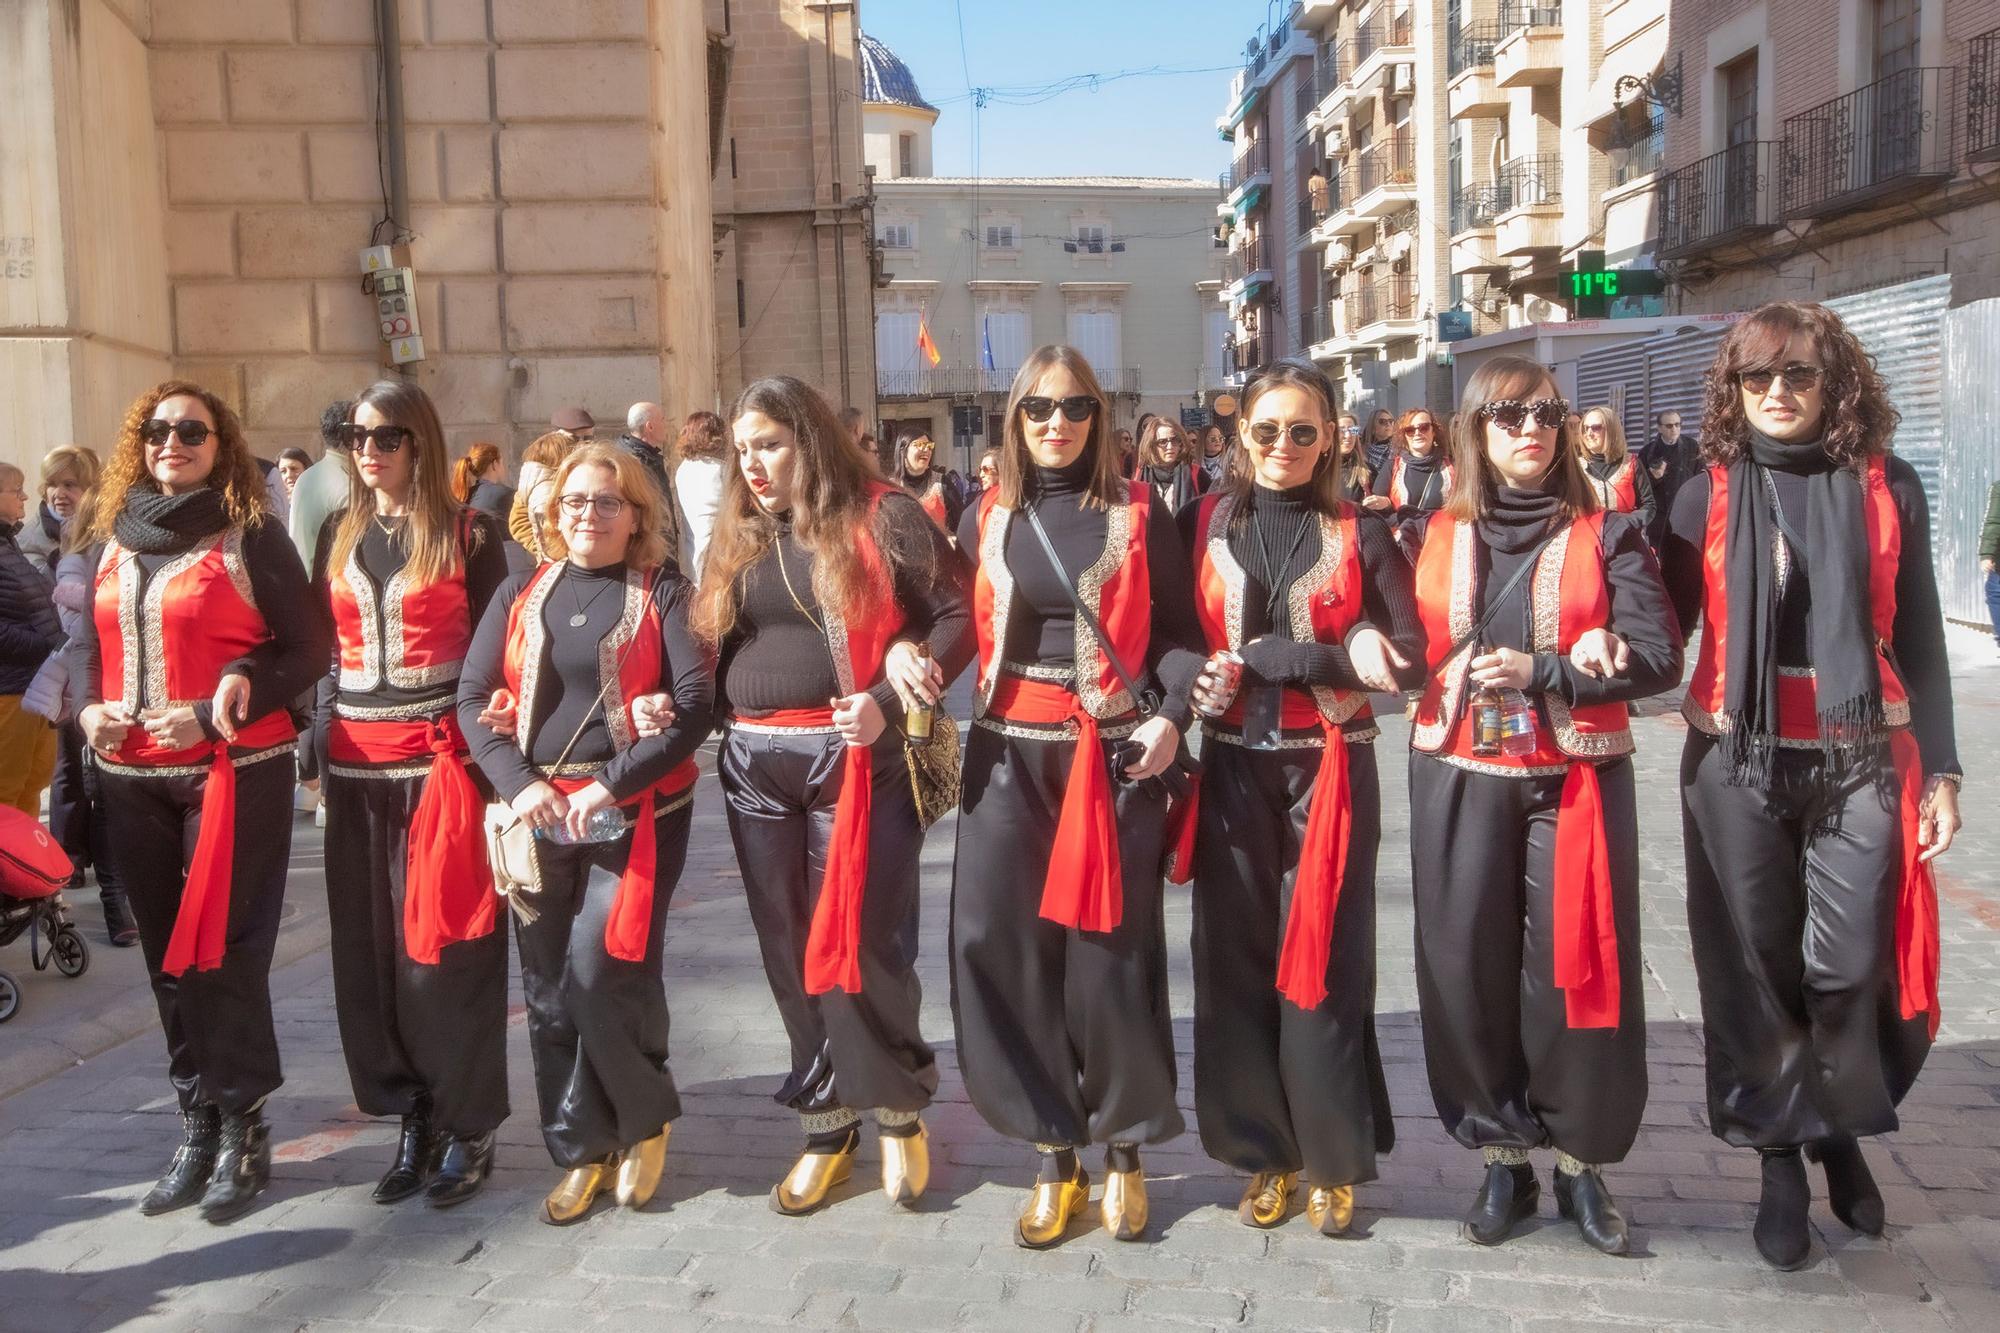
(242, 1167)
(416, 1159)
(1781, 1233)
(467, 1163)
(1509, 1194)
(118, 923)
(188, 1172)
(1850, 1185)
(1585, 1200)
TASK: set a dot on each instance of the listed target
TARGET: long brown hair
(1857, 419)
(1149, 448)
(235, 473)
(1237, 483)
(832, 480)
(429, 536)
(470, 467)
(1475, 487)
(1107, 482)
(647, 548)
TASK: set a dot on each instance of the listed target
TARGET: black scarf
(156, 524)
(1519, 519)
(1173, 482)
(1840, 624)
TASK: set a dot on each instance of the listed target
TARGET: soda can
(1229, 665)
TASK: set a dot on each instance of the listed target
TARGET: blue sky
(1156, 125)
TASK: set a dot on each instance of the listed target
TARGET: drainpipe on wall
(389, 50)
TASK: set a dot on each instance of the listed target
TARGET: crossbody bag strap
(1089, 617)
(1493, 607)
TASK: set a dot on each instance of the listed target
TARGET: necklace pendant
(578, 620)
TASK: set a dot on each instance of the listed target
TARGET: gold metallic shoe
(1049, 1210)
(1267, 1198)
(639, 1170)
(1124, 1204)
(812, 1178)
(574, 1193)
(1330, 1208)
(906, 1166)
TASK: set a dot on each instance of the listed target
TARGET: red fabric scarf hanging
(1918, 962)
(1586, 932)
(1085, 886)
(201, 927)
(1308, 943)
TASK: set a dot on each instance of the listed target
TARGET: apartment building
(1126, 269)
(1825, 147)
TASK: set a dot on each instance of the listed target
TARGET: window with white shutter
(899, 365)
(1095, 333)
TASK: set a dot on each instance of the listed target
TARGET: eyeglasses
(1304, 434)
(604, 506)
(388, 439)
(1593, 428)
(193, 434)
(1798, 376)
(1422, 428)
(1509, 413)
(1078, 407)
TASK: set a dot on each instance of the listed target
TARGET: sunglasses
(1509, 413)
(1593, 428)
(1304, 434)
(388, 439)
(1798, 376)
(193, 434)
(1078, 407)
(1422, 428)
(605, 506)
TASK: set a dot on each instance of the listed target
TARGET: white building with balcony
(1126, 269)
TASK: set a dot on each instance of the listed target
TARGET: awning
(1638, 57)
(1251, 198)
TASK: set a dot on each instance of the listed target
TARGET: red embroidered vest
(1325, 604)
(931, 498)
(167, 647)
(1568, 594)
(397, 636)
(1116, 588)
(1399, 492)
(1618, 492)
(1798, 712)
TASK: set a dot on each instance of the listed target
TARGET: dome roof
(885, 78)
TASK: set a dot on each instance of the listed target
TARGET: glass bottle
(917, 719)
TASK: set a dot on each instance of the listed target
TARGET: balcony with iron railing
(1982, 97)
(1470, 90)
(1637, 156)
(1892, 138)
(927, 381)
(1725, 198)
(1529, 51)
(1530, 216)
(1247, 262)
(1246, 358)
(1251, 167)
(1384, 176)
(1475, 210)
(1370, 311)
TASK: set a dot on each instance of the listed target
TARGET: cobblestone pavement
(77, 1150)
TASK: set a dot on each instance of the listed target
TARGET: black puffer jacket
(29, 630)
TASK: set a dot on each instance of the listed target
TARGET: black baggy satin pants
(1277, 1087)
(1506, 1069)
(1791, 896)
(854, 1051)
(1064, 1036)
(221, 1044)
(597, 1025)
(412, 1032)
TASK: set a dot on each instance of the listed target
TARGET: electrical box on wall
(390, 282)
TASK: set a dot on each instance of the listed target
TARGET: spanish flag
(924, 343)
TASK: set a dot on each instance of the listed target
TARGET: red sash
(447, 886)
(1084, 888)
(1918, 961)
(631, 918)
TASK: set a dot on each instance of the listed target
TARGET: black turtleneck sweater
(1276, 546)
(1041, 625)
(567, 688)
(1642, 484)
(1917, 645)
(1511, 533)
(776, 656)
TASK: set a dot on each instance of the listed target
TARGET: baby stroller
(33, 873)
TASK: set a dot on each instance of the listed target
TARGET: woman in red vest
(1621, 484)
(820, 584)
(201, 632)
(1058, 958)
(1820, 779)
(1543, 615)
(937, 489)
(545, 700)
(1417, 479)
(1314, 598)
(407, 573)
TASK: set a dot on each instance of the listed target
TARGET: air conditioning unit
(1336, 141)
(1341, 251)
(1402, 79)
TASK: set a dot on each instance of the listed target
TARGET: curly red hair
(1857, 418)
(235, 473)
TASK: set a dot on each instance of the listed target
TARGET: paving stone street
(86, 1122)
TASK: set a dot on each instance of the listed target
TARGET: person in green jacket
(1989, 557)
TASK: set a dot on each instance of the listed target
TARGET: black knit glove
(1277, 661)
